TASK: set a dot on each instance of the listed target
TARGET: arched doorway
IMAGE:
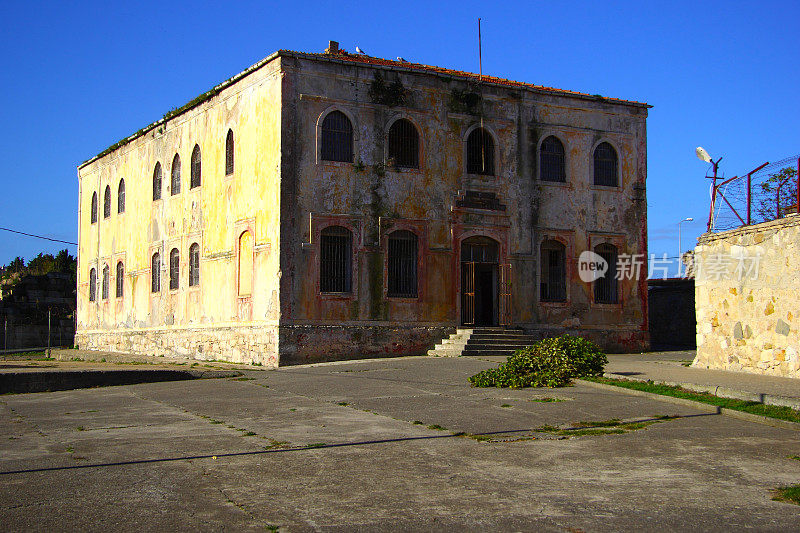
(479, 281)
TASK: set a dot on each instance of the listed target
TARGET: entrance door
(479, 282)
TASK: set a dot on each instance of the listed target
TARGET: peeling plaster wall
(209, 321)
(372, 200)
(748, 324)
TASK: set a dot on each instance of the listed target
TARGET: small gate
(505, 317)
(468, 289)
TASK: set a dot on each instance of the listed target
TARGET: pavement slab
(335, 448)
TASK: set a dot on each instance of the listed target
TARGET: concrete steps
(482, 341)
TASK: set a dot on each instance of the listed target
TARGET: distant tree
(64, 262)
(17, 265)
(765, 205)
(41, 264)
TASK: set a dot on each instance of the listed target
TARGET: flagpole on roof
(480, 82)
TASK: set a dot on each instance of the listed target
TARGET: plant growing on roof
(392, 94)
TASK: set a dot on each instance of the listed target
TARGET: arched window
(551, 160)
(194, 265)
(404, 144)
(106, 274)
(92, 285)
(157, 182)
(175, 183)
(195, 178)
(174, 269)
(553, 273)
(402, 265)
(107, 202)
(121, 196)
(605, 165)
(336, 260)
(155, 273)
(337, 138)
(480, 152)
(605, 288)
(229, 153)
(94, 207)
(120, 279)
(245, 264)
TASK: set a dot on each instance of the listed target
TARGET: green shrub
(550, 362)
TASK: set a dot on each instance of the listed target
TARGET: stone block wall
(746, 295)
(239, 343)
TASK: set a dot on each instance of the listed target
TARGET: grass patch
(506, 405)
(418, 423)
(795, 457)
(316, 445)
(788, 494)
(546, 399)
(239, 379)
(80, 428)
(273, 443)
(215, 421)
(343, 404)
(437, 427)
(760, 409)
(250, 434)
(613, 426)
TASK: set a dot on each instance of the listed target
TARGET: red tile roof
(342, 55)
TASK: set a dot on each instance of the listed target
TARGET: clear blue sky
(724, 75)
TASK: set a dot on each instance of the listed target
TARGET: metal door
(505, 295)
(468, 293)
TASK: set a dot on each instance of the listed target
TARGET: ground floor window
(402, 265)
(336, 261)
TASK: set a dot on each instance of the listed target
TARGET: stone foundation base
(609, 340)
(237, 344)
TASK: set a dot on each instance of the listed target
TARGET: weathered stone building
(747, 282)
(335, 205)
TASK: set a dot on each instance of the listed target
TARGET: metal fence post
(48, 332)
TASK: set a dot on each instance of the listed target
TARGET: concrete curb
(700, 406)
(721, 392)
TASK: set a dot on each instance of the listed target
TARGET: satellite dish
(703, 155)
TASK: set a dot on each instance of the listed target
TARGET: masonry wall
(750, 324)
(372, 199)
(216, 319)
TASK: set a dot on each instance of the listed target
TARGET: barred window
(94, 207)
(157, 182)
(404, 144)
(194, 181)
(336, 260)
(107, 202)
(551, 160)
(480, 152)
(605, 288)
(605, 165)
(553, 279)
(92, 285)
(155, 273)
(121, 196)
(194, 265)
(229, 153)
(174, 269)
(337, 138)
(106, 273)
(175, 184)
(402, 265)
(120, 278)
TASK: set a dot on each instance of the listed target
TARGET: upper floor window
(107, 202)
(175, 183)
(336, 260)
(480, 152)
(194, 265)
(404, 144)
(605, 165)
(106, 274)
(195, 177)
(605, 287)
(229, 153)
(94, 207)
(120, 279)
(402, 265)
(157, 182)
(155, 273)
(553, 274)
(551, 160)
(121, 196)
(92, 285)
(337, 138)
(174, 269)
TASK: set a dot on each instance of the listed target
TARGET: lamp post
(680, 257)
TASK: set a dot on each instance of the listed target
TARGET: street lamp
(690, 219)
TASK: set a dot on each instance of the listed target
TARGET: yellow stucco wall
(213, 215)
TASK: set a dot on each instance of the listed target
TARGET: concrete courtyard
(392, 445)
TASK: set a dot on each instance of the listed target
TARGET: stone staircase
(483, 341)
